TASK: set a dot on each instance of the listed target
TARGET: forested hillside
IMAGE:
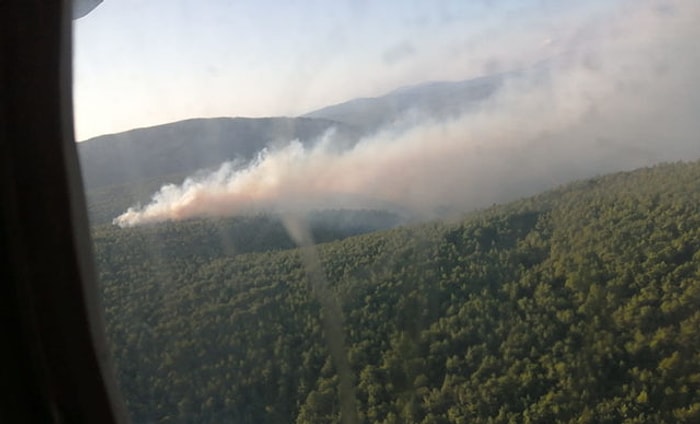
(578, 305)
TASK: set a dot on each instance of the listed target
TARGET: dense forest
(578, 305)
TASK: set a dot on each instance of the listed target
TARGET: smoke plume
(622, 94)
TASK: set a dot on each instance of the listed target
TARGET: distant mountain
(432, 99)
(187, 146)
(122, 169)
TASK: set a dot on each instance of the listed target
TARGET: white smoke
(623, 95)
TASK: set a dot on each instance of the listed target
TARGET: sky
(140, 63)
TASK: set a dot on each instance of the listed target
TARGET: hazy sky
(141, 63)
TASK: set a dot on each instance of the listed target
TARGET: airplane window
(396, 212)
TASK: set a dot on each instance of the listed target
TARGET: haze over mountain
(126, 168)
(431, 100)
(193, 145)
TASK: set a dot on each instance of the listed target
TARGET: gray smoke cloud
(623, 94)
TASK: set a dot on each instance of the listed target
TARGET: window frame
(56, 361)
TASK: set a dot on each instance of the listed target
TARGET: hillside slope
(578, 305)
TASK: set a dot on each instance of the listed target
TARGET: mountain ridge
(430, 99)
